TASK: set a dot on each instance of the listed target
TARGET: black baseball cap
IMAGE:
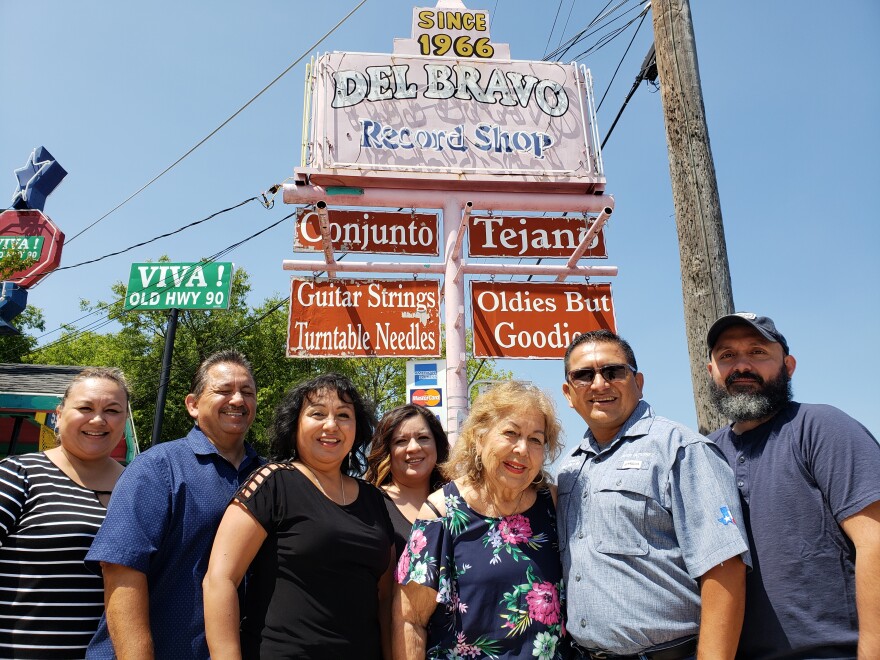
(763, 324)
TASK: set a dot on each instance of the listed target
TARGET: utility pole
(705, 273)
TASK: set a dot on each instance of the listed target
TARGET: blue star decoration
(726, 517)
(36, 180)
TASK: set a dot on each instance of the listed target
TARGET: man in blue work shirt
(809, 479)
(653, 557)
(154, 544)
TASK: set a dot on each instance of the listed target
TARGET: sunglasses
(610, 372)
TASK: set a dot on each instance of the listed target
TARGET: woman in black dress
(320, 540)
(408, 445)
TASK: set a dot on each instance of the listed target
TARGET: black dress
(313, 589)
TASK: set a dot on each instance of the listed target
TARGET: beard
(748, 406)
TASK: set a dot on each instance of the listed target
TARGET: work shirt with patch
(640, 520)
(800, 475)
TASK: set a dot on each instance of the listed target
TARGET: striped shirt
(50, 604)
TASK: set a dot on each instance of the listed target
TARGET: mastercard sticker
(429, 398)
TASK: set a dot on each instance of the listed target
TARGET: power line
(619, 64)
(212, 133)
(560, 52)
(648, 72)
(166, 235)
(553, 27)
(606, 39)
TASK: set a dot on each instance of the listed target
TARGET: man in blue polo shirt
(653, 557)
(154, 545)
(809, 480)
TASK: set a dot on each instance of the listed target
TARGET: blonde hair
(488, 410)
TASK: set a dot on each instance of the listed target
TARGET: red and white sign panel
(30, 223)
(535, 237)
(371, 232)
(469, 120)
(364, 318)
(536, 319)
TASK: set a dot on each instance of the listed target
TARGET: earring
(478, 460)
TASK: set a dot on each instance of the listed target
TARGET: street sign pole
(170, 331)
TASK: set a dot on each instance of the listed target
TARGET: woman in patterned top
(407, 446)
(51, 506)
(481, 578)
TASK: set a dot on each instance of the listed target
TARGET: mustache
(743, 375)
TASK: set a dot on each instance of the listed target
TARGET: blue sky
(118, 91)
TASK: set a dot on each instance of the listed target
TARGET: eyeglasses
(610, 372)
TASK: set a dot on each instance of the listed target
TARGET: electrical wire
(619, 64)
(560, 52)
(606, 39)
(216, 130)
(552, 28)
(166, 235)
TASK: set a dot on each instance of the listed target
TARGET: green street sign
(30, 247)
(165, 285)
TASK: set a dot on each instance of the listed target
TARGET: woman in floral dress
(481, 575)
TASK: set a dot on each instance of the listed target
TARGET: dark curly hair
(286, 421)
(379, 458)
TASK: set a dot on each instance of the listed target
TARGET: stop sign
(34, 235)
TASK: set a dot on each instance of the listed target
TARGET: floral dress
(498, 581)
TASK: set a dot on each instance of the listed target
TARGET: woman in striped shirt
(51, 506)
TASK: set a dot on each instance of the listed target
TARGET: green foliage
(259, 332)
(14, 347)
(13, 261)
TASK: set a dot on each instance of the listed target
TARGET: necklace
(515, 508)
(321, 485)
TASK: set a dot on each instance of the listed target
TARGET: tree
(14, 347)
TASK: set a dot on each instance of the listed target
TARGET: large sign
(163, 285)
(536, 319)
(451, 105)
(33, 235)
(533, 237)
(364, 318)
(371, 232)
(445, 116)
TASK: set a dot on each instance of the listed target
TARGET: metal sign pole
(165, 376)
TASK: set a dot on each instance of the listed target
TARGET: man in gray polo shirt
(648, 515)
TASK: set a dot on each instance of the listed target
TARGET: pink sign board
(465, 119)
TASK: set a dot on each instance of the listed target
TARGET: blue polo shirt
(800, 475)
(161, 521)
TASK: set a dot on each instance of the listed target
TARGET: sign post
(449, 121)
(164, 375)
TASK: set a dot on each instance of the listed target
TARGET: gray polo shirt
(640, 520)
